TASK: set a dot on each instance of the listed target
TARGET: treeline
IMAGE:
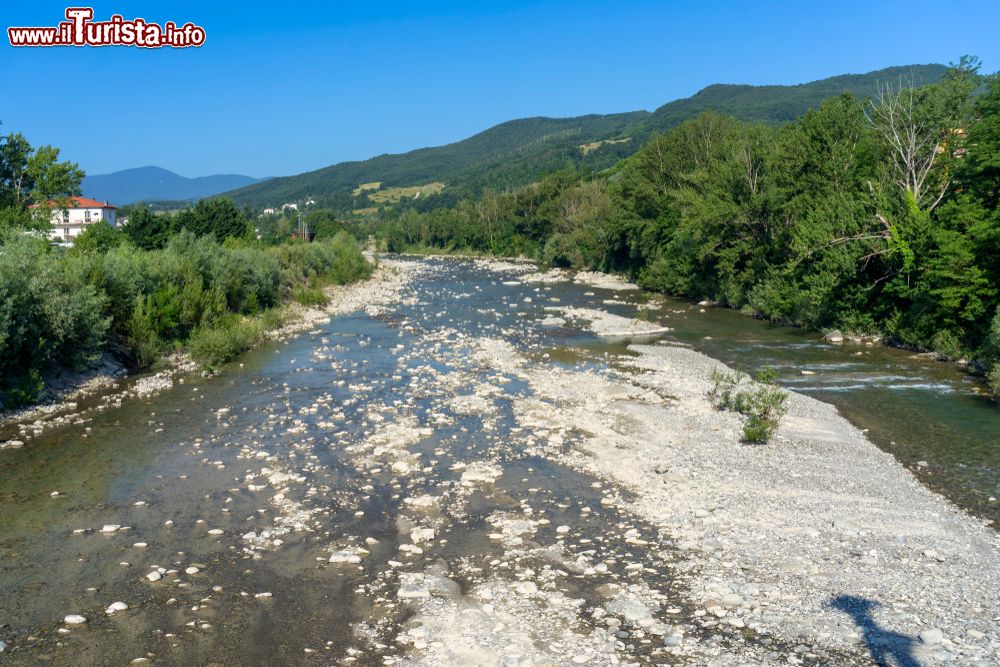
(877, 215)
(199, 279)
(218, 217)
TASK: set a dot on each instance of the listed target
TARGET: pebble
(344, 557)
(526, 588)
(115, 607)
(154, 576)
(931, 636)
(421, 534)
(731, 600)
(74, 619)
(413, 592)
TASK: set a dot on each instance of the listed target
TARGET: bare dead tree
(913, 144)
(752, 165)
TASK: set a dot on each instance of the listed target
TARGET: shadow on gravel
(888, 649)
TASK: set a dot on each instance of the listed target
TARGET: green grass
(215, 345)
(594, 145)
(309, 296)
(393, 195)
(274, 318)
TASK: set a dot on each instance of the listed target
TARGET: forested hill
(781, 104)
(519, 151)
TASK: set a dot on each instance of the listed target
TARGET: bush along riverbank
(98, 304)
(877, 217)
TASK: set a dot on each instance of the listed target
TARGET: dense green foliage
(517, 152)
(218, 342)
(31, 180)
(197, 277)
(876, 215)
(218, 217)
(64, 309)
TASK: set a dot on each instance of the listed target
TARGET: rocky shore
(479, 503)
(108, 380)
(816, 548)
(818, 539)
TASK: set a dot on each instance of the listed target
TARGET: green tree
(218, 217)
(52, 179)
(99, 237)
(146, 229)
(323, 224)
(15, 180)
(30, 175)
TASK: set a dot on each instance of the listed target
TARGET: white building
(69, 222)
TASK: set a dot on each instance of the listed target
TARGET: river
(269, 515)
(935, 419)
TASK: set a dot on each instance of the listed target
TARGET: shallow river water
(935, 419)
(238, 489)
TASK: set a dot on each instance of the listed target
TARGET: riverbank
(455, 481)
(818, 538)
(817, 547)
(109, 383)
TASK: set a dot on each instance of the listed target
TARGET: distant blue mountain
(157, 184)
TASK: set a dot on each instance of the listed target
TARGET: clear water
(175, 453)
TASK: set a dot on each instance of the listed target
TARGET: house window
(65, 216)
(86, 216)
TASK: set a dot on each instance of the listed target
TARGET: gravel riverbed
(430, 480)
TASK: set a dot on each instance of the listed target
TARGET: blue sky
(281, 88)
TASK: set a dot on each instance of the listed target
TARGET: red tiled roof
(79, 202)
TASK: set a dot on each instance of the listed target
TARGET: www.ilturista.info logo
(80, 30)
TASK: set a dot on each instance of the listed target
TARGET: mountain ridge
(518, 151)
(152, 183)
